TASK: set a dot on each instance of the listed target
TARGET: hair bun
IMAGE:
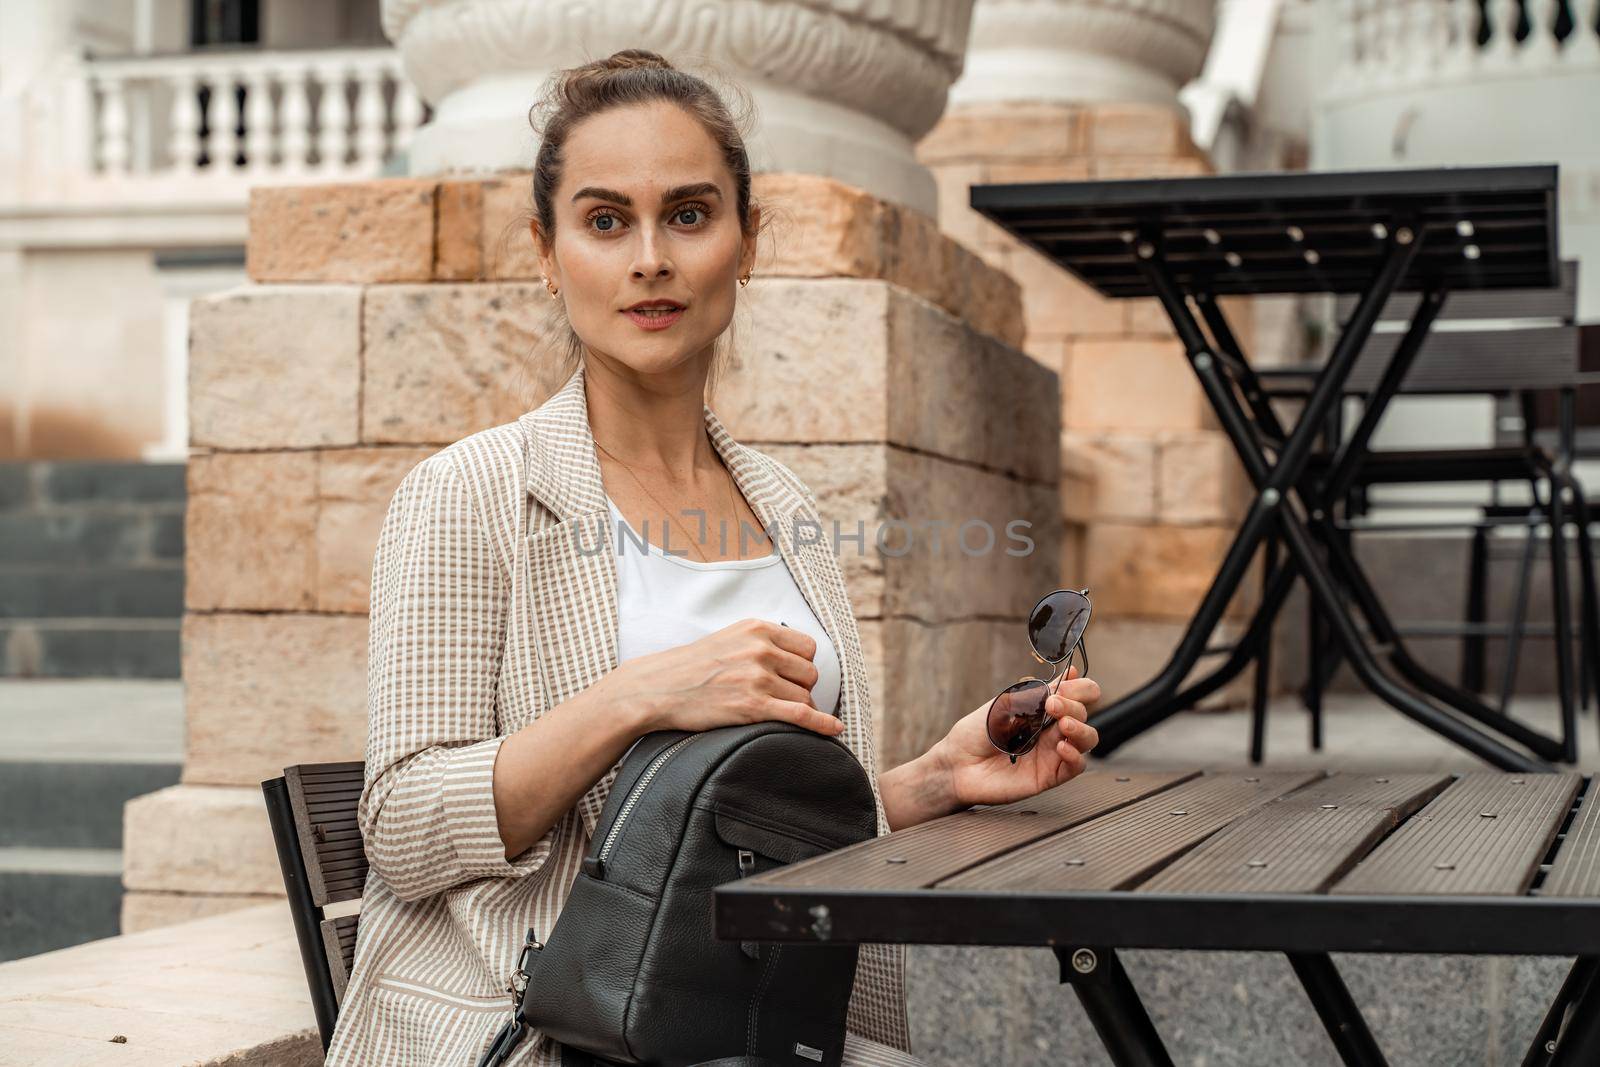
(632, 58)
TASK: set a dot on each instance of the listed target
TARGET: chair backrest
(1484, 340)
(313, 813)
(1536, 417)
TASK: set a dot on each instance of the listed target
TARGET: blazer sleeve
(439, 601)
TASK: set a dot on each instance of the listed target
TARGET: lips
(654, 315)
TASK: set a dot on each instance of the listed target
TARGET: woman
(512, 663)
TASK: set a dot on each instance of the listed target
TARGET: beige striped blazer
(494, 599)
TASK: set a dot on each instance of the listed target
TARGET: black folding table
(1286, 861)
(1188, 241)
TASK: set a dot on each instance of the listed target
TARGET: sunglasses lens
(1017, 716)
(1057, 622)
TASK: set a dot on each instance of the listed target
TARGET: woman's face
(646, 210)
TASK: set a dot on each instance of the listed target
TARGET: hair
(627, 78)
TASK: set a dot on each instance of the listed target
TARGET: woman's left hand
(979, 773)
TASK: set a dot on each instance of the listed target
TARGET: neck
(652, 423)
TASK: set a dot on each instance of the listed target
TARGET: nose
(651, 260)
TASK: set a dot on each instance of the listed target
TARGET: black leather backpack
(632, 974)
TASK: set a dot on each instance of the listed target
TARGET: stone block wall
(384, 320)
(1151, 490)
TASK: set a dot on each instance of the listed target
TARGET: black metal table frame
(1292, 507)
(1305, 927)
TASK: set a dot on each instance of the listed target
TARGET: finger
(807, 716)
(1080, 735)
(1059, 707)
(1083, 690)
(784, 689)
(1073, 762)
(800, 670)
(797, 643)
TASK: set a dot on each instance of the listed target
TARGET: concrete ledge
(147, 911)
(222, 990)
(188, 838)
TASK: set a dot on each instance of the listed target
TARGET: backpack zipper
(633, 796)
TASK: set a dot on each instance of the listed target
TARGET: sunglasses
(1055, 630)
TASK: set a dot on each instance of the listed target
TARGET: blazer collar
(564, 469)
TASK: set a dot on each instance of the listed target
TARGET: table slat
(1118, 849)
(920, 855)
(1575, 871)
(1486, 834)
(1302, 842)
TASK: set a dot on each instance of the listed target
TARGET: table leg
(1343, 563)
(1337, 1009)
(1113, 1006)
(1519, 616)
(1342, 474)
(1278, 582)
(1474, 647)
(1562, 1043)
(1590, 606)
(1317, 670)
(1261, 691)
(1152, 703)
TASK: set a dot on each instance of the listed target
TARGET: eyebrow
(677, 192)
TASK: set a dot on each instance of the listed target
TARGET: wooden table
(1301, 862)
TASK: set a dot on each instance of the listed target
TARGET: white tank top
(664, 601)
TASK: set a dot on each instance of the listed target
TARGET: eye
(696, 208)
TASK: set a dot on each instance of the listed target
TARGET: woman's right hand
(749, 671)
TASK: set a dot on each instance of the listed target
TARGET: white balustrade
(249, 115)
(1584, 47)
(1427, 83)
(1385, 45)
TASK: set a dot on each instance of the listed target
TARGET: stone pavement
(1359, 731)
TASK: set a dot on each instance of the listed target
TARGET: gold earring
(745, 280)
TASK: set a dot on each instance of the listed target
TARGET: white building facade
(130, 134)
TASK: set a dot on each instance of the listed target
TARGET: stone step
(51, 898)
(92, 720)
(131, 535)
(27, 486)
(71, 805)
(38, 591)
(90, 648)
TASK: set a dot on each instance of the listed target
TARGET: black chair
(1519, 345)
(312, 809)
